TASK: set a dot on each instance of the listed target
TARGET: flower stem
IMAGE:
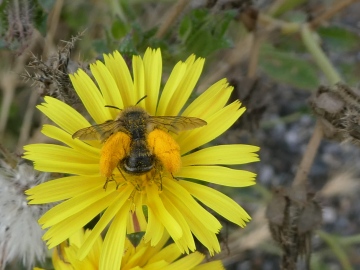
(309, 156)
(319, 56)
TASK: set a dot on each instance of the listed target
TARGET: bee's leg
(108, 179)
(119, 168)
(132, 195)
(135, 185)
(160, 174)
(158, 170)
(106, 182)
(177, 179)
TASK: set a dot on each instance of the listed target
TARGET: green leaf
(135, 238)
(350, 72)
(222, 26)
(185, 28)
(288, 68)
(119, 29)
(82, 18)
(127, 47)
(40, 19)
(202, 32)
(338, 38)
(100, 46)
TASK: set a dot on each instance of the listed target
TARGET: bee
(136, 142)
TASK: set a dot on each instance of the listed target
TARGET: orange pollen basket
(116, 148)
(165, 149)
(161, 144)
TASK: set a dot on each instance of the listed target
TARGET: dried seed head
(292, 218)
(20, 233)
(338, 109)
(51, 76)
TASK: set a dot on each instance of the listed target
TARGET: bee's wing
(99, 132)
(176, 123)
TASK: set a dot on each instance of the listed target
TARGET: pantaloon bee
(136, 142)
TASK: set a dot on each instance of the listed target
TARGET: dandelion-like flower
(20, 233)
(143, 256)
(162, 200)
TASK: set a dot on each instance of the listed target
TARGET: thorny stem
(171, 17)
(338, 6)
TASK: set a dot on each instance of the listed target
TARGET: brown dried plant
(293, 215)
(51, 76)
(338, 109)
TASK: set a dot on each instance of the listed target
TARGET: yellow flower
(170, 201)
(143, 256)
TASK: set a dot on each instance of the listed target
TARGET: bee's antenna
(114, 107)
(141, 99)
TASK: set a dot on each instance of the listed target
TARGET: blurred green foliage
(203, 33)
(288, 67)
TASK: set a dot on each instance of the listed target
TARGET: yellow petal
(69, 119)
(170, 87)
(151, 251)
(188, 262)
(134, 259)
(214, 265)
(187, 242)
(107, 86)
(114, 241)
(219, 202)
(90, 96)
(210, 101)
(186, 85)
(181, 194)
(120, 72)
(160, 212)
(154, 230)
(153, 266)
(43, 152)
(222, 154)
(218, 175)
(153, 72)
(62, 231)
(139, 79)
(75, 205)
(62, 188)
(169, 254)
(62, 136)
(218, 123)
(198, 220)
(110, 212)
(95, 252)
(66, 167)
